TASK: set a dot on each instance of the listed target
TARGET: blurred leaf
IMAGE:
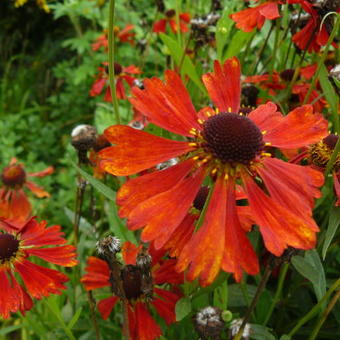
(223, 30)
(333, 224)
(239, 40)
(75, 318)
(183, 308)
(188, 67)
(311, 268)
(9, 329)
(101, 187)
(285, 337)
(236, 295)
(260, 332)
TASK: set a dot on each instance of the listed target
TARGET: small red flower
(122, 74)
(170, 19)
(228, 148)
(141, 323)
(253, 17)
(16, 247)
(14, 204)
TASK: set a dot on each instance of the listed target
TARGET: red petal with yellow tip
(157, 213)
(299, 128)
(37, 191)
(279, 226)
(141, 188)
(224, 85)
(136, 150)
(167, 105)
(204, 253)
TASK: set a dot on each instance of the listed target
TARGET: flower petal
(98, 274)
(204, 253)
(48, 171)
(224, 85)
(39, 192)
(299, 128)
(105, 306)
(132, 151)
(161, 214)
(266, 116)
(167, 105)
(141, 188)
(165, 305)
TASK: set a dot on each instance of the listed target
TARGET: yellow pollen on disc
(217, 110)
(192, 144)
(267, 154)
(193, 131)
(200, 121)
(226, 176)
(229, 109)
(195, 158)
(208, 114)
(267, 144)
(205, 160)
(264, 132)
(213, 171)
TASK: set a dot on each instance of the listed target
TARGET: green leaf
(101, 187)
(9, 329)
(75, 318)
(238, 41)
(285, 337)
(223, 30)
(260, 332)
(333, 224)
(236, 296)
(183, 308)
(311, 268)
(188, 67)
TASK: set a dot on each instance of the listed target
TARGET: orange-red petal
(266, 116)
(48, 171)
(98, 274)
(204, 253)
(136, 150)
(141, 188)
(224, 85)
(166, 104)
(105, 306)
(299, 128)
(38, 191)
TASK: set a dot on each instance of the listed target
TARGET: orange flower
(228, 148)
(15, 249)
(249, 18)
(170, 19)
(14, 204)
(141, 323)
(121, 73)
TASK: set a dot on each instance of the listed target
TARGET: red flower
(123, 35)
(121, 74)
(14, 204)
(229, 148)
(249, 18)
(141, 323)
(170, 19)
(16, 246)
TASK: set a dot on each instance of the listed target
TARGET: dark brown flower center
(13, 175)
(232, 138)
(118, 69)
(9, 246)
(132, 281)
(170, 13)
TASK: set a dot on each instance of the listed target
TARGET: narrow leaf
(333, 224)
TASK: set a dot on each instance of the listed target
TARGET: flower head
(228, 149)
(14, 204)
(140, 272)
(170, 19)
(16, 247)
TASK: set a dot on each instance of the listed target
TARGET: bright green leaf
(183, 308)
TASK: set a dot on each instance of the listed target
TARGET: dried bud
(109, 244)
(208, 322)
(235, 327)
(84, 137)
(249, 95)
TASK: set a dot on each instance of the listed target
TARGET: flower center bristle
(132, 282)
(13, 176)
(9, 246)
(232, 138)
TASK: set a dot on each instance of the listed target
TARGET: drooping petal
(48, 171)
(299, 128)
(204, 253)
(165, 305)
(40, 281)
(159, 26)
(167, 104)
(166, 273)
(161, 214)
(224, 85)
(292, 186)
(38, 191)
(63, 255)
(266, 116)
(97, 87)
(132, 152)
(239, 254)
(279, 226)
(105, 306)
(141, 188)
(98, 274)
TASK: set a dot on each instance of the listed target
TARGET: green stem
(112, 61)
(179, 37)
(278, 292)
(276, 45)
(314, 310)
(324, 316)
(258, 293)
(322, 59)
(204, 210)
